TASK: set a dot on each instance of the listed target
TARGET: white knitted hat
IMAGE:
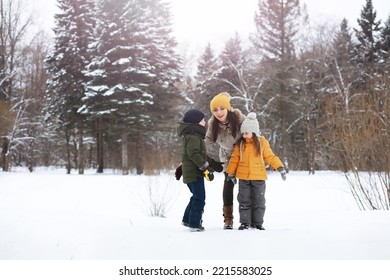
(250, 124)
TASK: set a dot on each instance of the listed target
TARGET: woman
(224, 129)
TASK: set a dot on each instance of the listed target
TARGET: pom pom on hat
(221, 100)
(193, 116)
(250, 124)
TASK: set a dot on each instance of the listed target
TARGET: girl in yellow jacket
(247, 164)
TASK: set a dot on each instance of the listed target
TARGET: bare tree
(361, 139)
(13, 27)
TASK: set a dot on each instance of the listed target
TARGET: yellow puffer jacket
(250, 166)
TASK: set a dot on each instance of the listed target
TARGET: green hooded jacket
(193, 153)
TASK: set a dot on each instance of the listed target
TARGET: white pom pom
(251, 116)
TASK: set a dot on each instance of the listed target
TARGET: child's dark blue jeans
(194, 210)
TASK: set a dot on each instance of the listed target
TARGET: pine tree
(341, 65)
(277, 28)
(342, 44)
(368, 110)
(118, 74)
(207, 84)
(133, 69)
(237, 76)
(69, 57)
(161, 55)
(385, 44)
(134, 59)
(367, 34)
(232, 60)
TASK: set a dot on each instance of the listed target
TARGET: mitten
(232, 178)
(216, 165)
(283, 173)
(208, 174)
(178, 172)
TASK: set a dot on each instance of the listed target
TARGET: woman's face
(221, 114)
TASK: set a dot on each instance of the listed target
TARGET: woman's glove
(216, 165)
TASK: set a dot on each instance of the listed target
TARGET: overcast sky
(196, 25)
(223, 18)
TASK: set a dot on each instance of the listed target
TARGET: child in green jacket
(192, 130)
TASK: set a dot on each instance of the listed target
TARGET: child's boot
(243, 227)
(259, 227)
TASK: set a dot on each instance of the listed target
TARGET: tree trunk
(81, 153)
(310, 145)
(68, 165)
(5, 154)
(31, 156)
(140, 153)
(125, 160)
(91, 161)
(283, 141)
(99, 140)
(75, 153)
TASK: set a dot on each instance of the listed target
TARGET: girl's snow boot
(243, 226)
(259, 227)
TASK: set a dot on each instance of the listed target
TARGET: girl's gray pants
(251, 199)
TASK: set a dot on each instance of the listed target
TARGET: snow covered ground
(47, 215)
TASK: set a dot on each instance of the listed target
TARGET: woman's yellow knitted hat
(221, 100)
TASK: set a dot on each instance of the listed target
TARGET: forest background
(109, 88)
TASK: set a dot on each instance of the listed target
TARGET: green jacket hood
(180, 128)
(190, 128)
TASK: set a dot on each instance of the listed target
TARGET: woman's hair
(256, 143)
(232, 120)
